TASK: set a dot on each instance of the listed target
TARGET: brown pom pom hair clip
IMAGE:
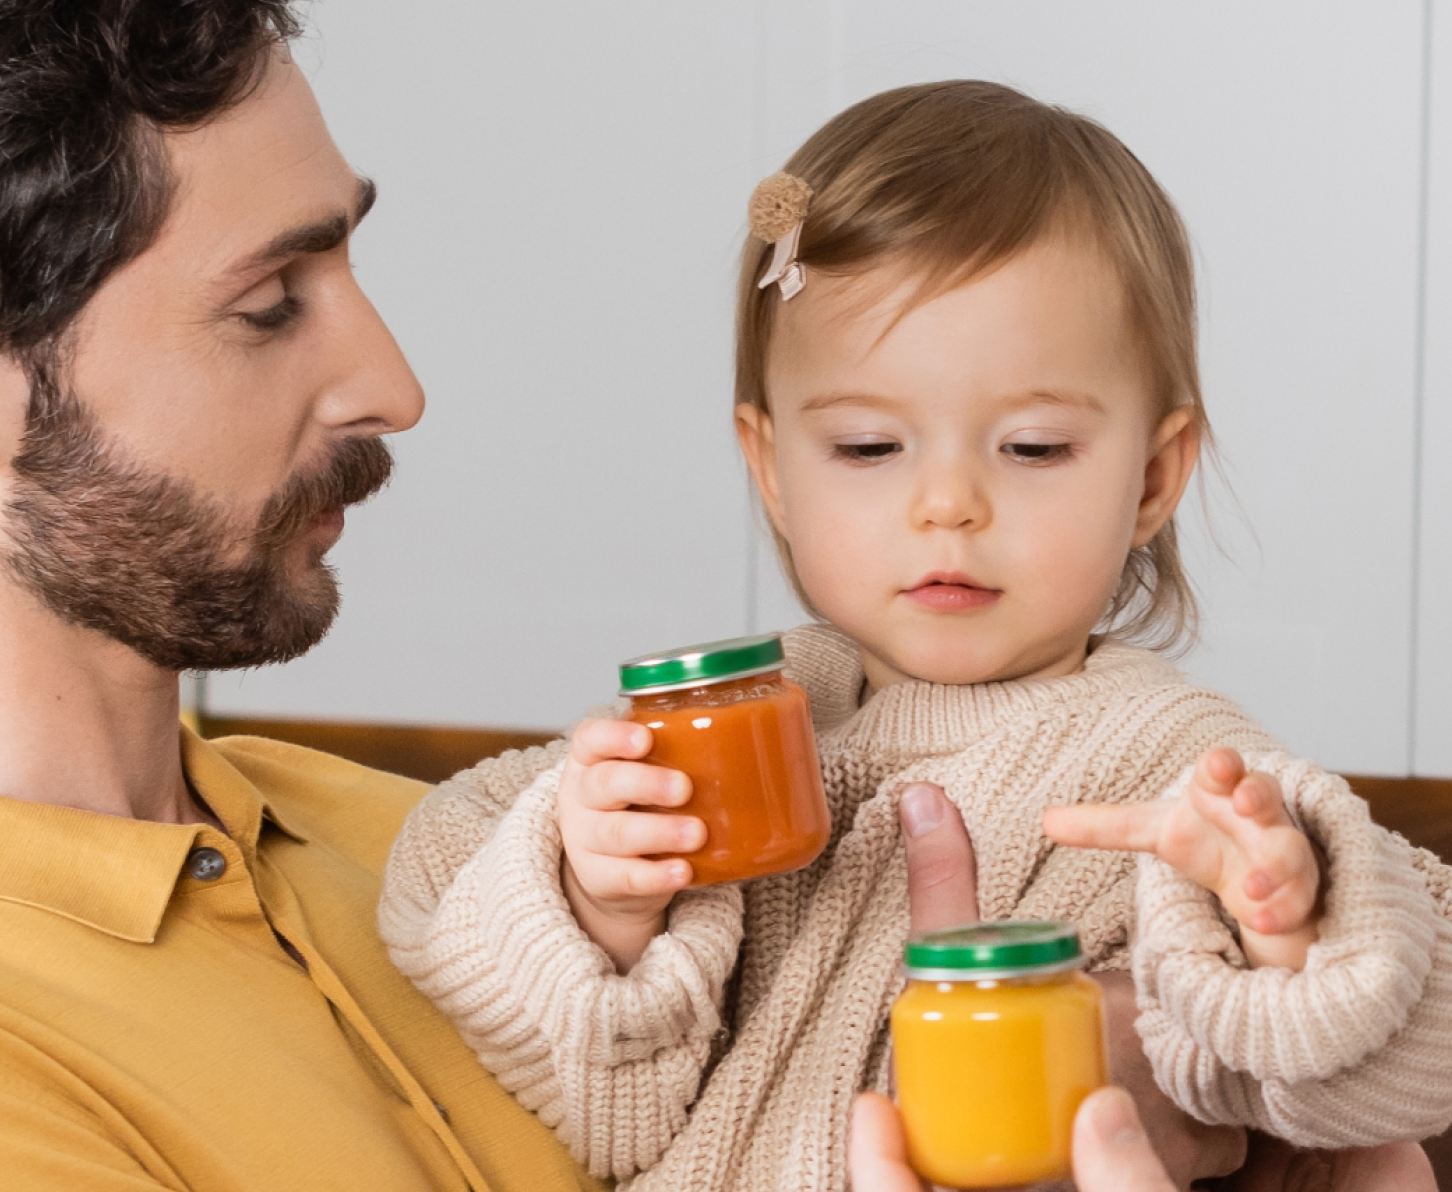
(776, 211)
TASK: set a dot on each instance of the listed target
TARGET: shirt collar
(230, 794)
(115, 874)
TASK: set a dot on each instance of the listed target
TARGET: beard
(150, 562)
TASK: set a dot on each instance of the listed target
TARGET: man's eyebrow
(322, 235)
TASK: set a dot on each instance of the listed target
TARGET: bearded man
(192, 389)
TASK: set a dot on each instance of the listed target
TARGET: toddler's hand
(1230, 832)
(618, 895)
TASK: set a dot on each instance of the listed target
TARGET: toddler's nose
(951, 499)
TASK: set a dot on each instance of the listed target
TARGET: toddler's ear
(757, 437)
(1174, 451)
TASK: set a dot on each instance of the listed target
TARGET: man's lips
(951, 591)
(326, 527)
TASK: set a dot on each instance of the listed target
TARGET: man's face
(180, 469)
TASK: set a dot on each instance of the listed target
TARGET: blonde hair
(950, 179)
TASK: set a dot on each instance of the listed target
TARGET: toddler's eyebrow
(1069, 398)
(824, 401)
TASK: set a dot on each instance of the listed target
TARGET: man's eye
(869, 452)
(1037, 453)
(275, 317)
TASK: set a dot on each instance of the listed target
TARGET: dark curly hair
(86, 89)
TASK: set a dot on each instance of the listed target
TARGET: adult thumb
(941, 876)
(1112, 1153)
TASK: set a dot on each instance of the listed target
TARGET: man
(192, 389)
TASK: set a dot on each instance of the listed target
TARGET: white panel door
(1433, 736)
(1289, 134)
(562, 192)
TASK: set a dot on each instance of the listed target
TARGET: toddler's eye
(1037, 453)
(865, 451)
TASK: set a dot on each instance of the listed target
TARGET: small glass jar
(996, 1040)
(724, 714)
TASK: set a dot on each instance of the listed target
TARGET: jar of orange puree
(996, 1041)
(724, 714)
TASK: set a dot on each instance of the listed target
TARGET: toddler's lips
(952, 597)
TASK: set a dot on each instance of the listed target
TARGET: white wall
(560, 197)
(563, 188)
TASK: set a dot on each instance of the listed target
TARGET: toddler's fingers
(615, 879)
(1218, 772)
(601, 740)
(1279, 859)
(1285, 891)
(1135, 827)
(637, 834)
(1254, 808)
(1281, 856)
(1258, 798)
(606, 786)
(1276, 918)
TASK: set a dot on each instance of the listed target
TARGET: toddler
(967, 392)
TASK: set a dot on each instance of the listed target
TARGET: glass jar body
(747, 745)
(990, 1074)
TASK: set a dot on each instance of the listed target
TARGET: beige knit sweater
(705, 1081)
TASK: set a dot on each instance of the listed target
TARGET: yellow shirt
(156, 1033)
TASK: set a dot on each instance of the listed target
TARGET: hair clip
(776, 211)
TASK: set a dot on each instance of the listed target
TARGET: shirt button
(206, 864)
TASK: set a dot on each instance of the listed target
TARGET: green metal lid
(710, 662)
(986, 950)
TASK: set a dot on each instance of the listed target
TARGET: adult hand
(943, 892)
(1112, 1152)
(1189, 1149)
(876, 1149)
(942, 878)
(1276, 1166)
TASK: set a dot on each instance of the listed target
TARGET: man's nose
(371, 387)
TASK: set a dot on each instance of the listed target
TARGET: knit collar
(923, 719)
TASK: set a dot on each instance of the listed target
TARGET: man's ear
(757, 437)
(1174, 451)
(14, 400)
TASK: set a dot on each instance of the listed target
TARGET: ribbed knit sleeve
(610, 1062)
(454, 820)
(1351, 1051)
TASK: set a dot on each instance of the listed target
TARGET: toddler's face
(960, 490)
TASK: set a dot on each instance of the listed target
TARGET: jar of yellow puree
(996, 1040)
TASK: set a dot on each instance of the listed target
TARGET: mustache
(357, 469)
